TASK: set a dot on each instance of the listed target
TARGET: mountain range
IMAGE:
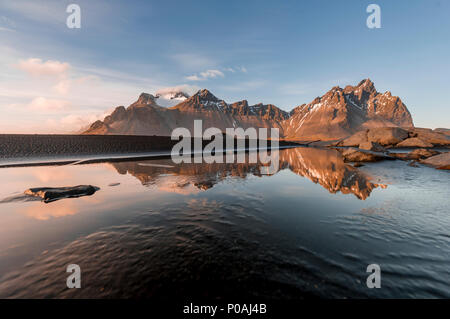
(336, 114)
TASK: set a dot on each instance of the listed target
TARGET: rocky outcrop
(387, 135)
(49, 194)
(415, 154)
(355, 140)
(441, 161)
(429, 136)
(372, 146)
(445, 131)
(414, 142)
(397, 137)
(422, 153)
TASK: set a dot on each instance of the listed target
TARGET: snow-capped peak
(170, 96)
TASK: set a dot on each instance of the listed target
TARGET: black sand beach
(22, 145)
(24, 148)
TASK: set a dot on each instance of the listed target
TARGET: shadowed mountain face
(325, 167)
(338, 113)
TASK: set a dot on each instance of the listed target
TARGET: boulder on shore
(414, 142)
(49, 194)
(355, 139)
(445, 131)
(422, 153)
(415, 154)
(441, 161)
(429, 136)
(387, 135)
(397, 137)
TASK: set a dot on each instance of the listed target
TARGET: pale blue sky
(280, 52)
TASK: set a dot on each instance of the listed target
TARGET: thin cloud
(230, 70)
(194, 78)
(6, 24)
(65, 84)
(48, 105)
(212, 74)
(7, 29)
(193, 61)
(208, 74)
(77, 122)
(236, 69)
(37, 67)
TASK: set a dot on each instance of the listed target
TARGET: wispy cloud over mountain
(213, 74)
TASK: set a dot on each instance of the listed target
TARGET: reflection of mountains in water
(325, 167)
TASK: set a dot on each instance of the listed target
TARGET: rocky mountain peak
(145, 98)
(206, 95)
(342, 111)
(203, 100)
(118, 114)
(239, 104)
(367, 85)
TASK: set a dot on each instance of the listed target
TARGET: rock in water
(413, 164)
(49, 194)
(422, 153)
(415, 154)
(441, 161)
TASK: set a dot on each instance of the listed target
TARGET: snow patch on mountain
(172, 96)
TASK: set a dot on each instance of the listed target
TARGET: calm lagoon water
(160, 230)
